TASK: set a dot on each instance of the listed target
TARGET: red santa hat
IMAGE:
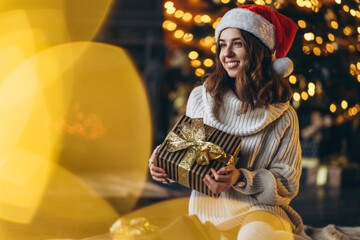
(275, 30)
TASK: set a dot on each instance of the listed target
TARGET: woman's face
(232, 50)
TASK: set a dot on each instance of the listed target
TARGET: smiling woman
(247, 95)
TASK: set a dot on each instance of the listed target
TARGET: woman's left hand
(223, 179)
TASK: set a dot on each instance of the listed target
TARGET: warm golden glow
(334, 24)
(347, 31)
(213, 48)
(187, 17)
(304, 96)
(338, 1)
(197, 19)
(214, 25)
(317, 51)
(332, 108)
(329, 48)
(179, 14)
(353, 12)
(358, 65)
(277, 5)
(196, 63)
(306, 50)
(351, 48)
(169, 4)
(311, 85)
(309, 36)
(319, 40)
(307, 4)
(302, 24)
(208, 62)
(171, 26)
(346, 8)
(225, 1)
(292, 79)
(300, 3)
(171, 10)
(259, 2)
(268, 1)
(344, 104)
(205, 18)
(358, 78)
(199, 72)
(166, 24)
(311, 91)
(241, 1)
(296, 96)
(193, 55)
(358, 29)
(179, 34)
(188, 37)
(331, 37)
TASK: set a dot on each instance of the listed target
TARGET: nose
(228, 52)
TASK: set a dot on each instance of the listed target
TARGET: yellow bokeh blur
(74, 114)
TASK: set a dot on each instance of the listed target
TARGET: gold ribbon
(193, 138)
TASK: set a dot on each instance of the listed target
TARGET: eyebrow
(233, 39)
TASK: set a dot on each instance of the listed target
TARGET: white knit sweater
(270, 160)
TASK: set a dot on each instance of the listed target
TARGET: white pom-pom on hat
(283, 66)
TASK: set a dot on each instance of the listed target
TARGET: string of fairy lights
(178, 21)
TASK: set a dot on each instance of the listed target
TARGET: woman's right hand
(157, 173)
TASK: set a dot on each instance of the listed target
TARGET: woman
(247, 95)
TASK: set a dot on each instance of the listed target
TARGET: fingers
(214, 186)
(163, 180)
(218, 177)
(226, 170)
(158, 174)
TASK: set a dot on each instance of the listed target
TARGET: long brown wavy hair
(256, 84)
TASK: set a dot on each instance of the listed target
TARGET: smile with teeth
(232, 64)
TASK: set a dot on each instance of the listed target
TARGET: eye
(221, 45)
(238, 43)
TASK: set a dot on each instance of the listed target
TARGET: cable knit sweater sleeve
(278, 182)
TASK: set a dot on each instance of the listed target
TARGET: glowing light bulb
(292, 79)
(344, 104)
(332, 108)
(193, 55)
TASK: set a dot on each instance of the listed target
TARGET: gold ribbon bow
(193, 137)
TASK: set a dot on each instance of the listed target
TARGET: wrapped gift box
(192, 148)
